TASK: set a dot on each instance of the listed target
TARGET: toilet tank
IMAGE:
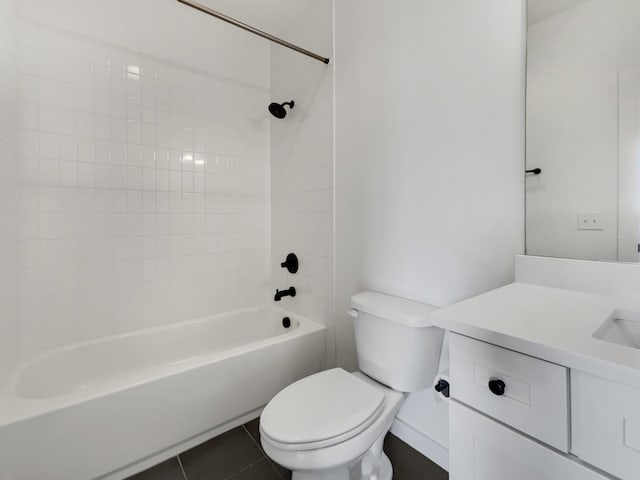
(396, 343)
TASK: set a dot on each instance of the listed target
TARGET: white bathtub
(110, 407)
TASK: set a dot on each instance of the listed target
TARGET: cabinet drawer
(535, 398)
(481, 449)
(607, 425)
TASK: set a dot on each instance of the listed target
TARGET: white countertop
(549, 323)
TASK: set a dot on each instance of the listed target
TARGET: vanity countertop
(553, 324)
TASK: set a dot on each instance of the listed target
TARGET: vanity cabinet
(482, 449)
(606, 429)
(532, 394)
(510, 419)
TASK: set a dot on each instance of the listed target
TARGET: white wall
(9, 197)
(302, 165)
(574, 62)
(429, 158)
(145, 167)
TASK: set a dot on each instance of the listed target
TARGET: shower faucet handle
(291, 263)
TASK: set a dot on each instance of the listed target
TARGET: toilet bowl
(347, 417)
(331, 425)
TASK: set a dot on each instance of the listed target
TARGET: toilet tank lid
(395, 309)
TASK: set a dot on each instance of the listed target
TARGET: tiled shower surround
(144, 168)
(9, 211)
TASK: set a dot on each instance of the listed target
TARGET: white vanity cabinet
(606, 419)
(532, 394)
(537, 391)
(483, 449)
(509, 417)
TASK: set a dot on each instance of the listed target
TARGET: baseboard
(424, 444)
(159, 457)
(427, 446)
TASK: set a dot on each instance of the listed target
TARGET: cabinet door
(607, 424)
(482, 449)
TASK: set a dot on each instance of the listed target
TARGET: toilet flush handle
(352, 313)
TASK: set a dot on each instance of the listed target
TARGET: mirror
(583, 129)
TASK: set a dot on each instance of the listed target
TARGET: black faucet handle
(291, 263)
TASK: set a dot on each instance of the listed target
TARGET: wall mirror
(583, 129)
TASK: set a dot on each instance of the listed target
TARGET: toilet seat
(321, 410)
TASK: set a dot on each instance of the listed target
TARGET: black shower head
(278, 110)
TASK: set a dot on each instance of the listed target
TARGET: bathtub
(110, 407)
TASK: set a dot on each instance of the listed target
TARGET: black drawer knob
(497, 386)
(442, 387)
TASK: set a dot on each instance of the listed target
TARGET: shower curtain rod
(253, 30)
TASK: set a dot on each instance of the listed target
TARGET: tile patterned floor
(237, 455)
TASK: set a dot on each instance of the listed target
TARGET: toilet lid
(320, 407)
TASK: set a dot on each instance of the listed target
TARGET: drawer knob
(442, 387)
(497, 386)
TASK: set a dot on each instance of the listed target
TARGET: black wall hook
(535, 171)
(291, 263)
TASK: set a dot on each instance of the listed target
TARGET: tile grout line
(247, 467)
(263, 453)
(253, 440)
(184, 474)
(273, 467)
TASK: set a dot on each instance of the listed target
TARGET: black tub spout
(289, 292)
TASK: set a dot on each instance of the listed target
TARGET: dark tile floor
(237, 455)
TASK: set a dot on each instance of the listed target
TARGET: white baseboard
(427, 446)
(179, 448)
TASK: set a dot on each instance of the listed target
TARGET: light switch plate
(590, 221)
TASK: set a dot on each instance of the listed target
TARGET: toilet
(331, 425)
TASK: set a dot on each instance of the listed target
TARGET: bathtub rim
(15, 409)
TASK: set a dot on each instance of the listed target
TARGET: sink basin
(622, 328)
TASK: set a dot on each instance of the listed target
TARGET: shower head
(278, 110)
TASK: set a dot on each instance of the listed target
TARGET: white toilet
(331, 425)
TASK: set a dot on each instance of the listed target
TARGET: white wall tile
(302, 170)
(114, 224)
(13, 256)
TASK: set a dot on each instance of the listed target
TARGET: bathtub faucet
(289, 292)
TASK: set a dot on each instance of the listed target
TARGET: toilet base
(386, 470)
(374, 465)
